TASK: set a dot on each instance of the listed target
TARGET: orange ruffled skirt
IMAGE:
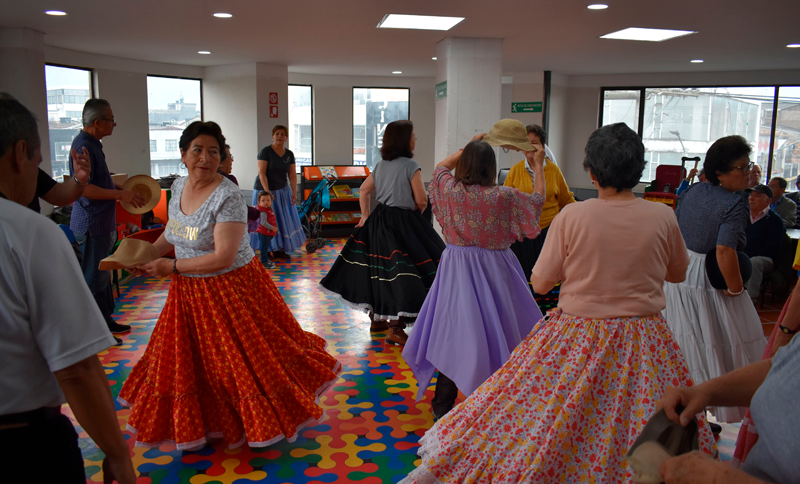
(227, 360)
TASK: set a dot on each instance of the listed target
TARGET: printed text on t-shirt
(182, 231)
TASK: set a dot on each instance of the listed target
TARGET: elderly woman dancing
(227, 358)
(578, 390)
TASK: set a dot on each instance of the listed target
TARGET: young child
(267, 227)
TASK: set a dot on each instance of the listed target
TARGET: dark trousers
(444, 397)
(22, 460)
(527, 252)
(264, 241)
(95, 248)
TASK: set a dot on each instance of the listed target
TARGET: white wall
(333, 115)
(127, 150)
(520, 88)
(572, 122)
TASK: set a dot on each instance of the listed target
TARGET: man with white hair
(93, 219)
(50, 331)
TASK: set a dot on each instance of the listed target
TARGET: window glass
(786, 153)
(172, 104)
(68, 90)
(682, 122)
(301, 125)
(621, 106)
(373, 109)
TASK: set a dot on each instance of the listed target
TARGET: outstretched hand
(81, 165)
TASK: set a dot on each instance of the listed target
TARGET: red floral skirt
(227, 360)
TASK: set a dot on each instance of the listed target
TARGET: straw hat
(145, 186)
(130, 253)
(509, 132)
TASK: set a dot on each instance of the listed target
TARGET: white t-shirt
(48, 317)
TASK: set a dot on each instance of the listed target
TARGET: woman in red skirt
(227, 359)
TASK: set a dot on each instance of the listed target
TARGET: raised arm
(67, 192)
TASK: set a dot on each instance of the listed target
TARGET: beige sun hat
(145, 186)
(509, 132)
(130, 253)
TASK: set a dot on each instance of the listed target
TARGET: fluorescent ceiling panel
(648, 35)
(419, 22)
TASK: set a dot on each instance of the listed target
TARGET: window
(685, 122)
(301, 125)
(373, 109)
(621, 106)
(172, 104)
(786, 148)
(68, 89)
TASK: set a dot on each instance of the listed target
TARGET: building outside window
(301, 125)
(786, 151)
(68, 89)
(172, 104)
(373, 109)
(685, 122)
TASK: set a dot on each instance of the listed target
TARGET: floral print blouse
(489, 217)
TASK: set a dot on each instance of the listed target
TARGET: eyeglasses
(746, 168)
(112, 120)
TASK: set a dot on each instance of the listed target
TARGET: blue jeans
(264, 241)
(94, 249)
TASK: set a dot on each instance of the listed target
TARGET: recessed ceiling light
(433, 58)
(597, 6)
(397, 72)
(697, 61)
(648, 35)
(793, 46)
(205, 52)
(56, 13)
(223, 15)
(420, 22)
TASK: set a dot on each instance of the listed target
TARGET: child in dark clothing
(267, 227)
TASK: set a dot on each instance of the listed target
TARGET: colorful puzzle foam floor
(373, 423)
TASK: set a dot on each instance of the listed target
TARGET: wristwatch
(785, 329)
(78, 182)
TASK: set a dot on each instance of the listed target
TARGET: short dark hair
(477, 165)
(17, 123)
(280, 126)
(615, 156)
(723, 154)
(397, 140)
(199, 128)
(538, 131)
(781, 182)
(264, 193)
(93, 110)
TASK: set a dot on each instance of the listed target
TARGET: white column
(22, 76)
(473, 71)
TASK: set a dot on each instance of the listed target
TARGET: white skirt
(717, 333)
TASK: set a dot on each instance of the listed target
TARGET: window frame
(92, 94)
(352, 113)
(313, 131)
(642, 91)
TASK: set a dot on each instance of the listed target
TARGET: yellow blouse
(557, 197)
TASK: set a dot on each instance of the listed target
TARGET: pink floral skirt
(566, 407)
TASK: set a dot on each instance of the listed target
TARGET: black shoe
(119, 341)
(716, 429)
(279, 254)
(117, 328)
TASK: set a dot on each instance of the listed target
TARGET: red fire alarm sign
(273, 111)
(273, 98)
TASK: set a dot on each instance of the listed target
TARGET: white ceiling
(339, 36)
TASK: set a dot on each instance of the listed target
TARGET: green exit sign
(526, 107)
(441, 90)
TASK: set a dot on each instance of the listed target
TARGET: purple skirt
(477, 311)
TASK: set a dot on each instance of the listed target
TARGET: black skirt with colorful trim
(388, 265)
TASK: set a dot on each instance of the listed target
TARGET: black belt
(17, 420)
